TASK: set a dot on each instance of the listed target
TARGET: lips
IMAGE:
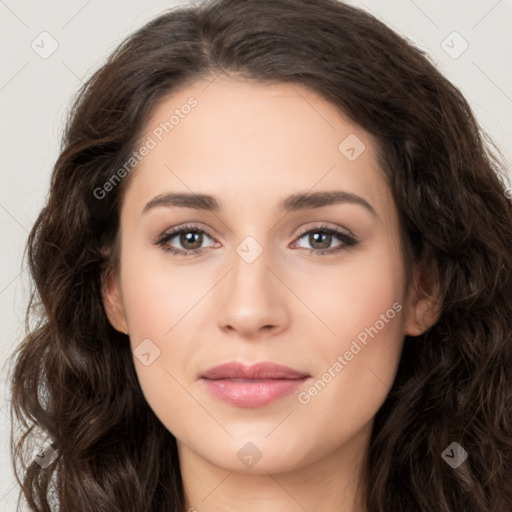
(252, 386)
(260, 371)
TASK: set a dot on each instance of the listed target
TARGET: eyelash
(348, 240)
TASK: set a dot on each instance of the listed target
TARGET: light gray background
(35, 93)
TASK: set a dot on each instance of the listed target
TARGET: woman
(193, 354)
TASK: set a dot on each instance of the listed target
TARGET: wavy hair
(73, 375)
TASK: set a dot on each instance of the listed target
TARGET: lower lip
(245, 393)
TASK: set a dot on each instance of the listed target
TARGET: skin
(251, 145)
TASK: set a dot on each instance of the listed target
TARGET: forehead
(251, 142)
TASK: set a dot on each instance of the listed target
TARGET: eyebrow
(294, 202)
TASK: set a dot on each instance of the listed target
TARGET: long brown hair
(73, 376)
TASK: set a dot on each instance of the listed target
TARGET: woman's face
(267, 170)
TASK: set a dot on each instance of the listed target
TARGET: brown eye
(184, 240)
(321, 238)
(191, 240)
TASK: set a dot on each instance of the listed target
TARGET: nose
(252, 299)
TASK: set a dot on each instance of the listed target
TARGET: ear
(112, 301)
(424, 302)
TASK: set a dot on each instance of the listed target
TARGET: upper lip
(266, 370)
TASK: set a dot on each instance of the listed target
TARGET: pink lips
(252, 386)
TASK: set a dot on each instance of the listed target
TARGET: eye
(190, 238)
(320, 239)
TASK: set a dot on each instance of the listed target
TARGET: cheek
(356, 295)
(157, 295)
(362, 304)
(357, 364)
(161, 307)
